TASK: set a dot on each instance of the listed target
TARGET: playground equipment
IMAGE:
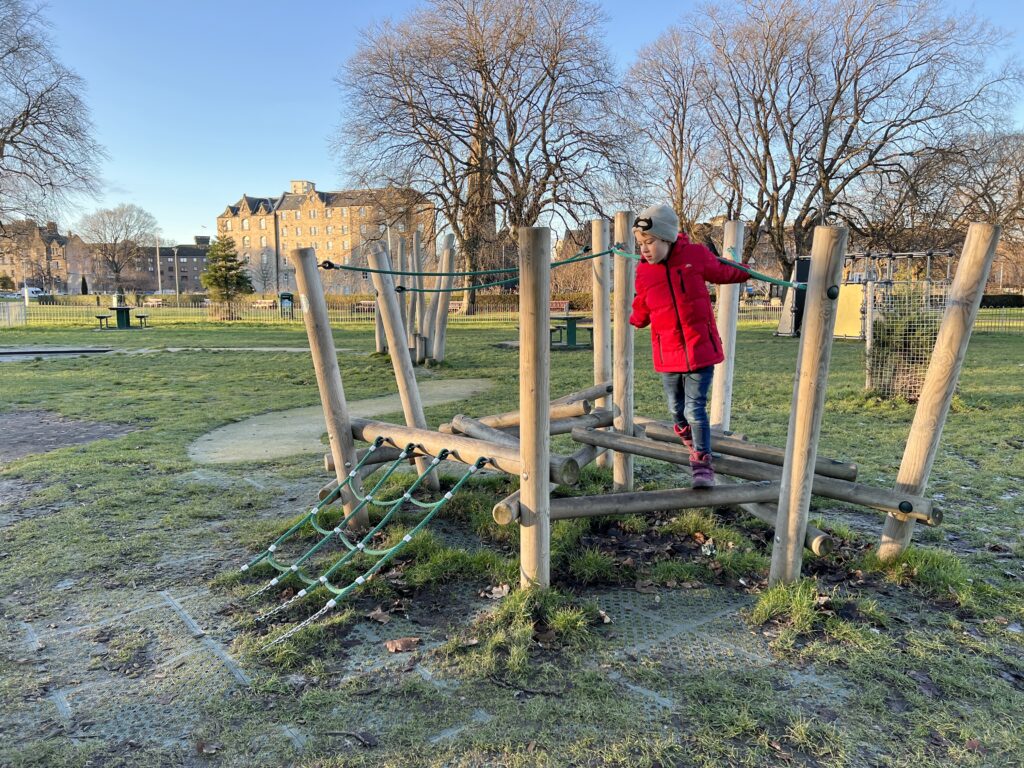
(782, 481)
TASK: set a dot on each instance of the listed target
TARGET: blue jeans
(687, 395)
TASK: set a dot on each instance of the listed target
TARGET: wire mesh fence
(901, 324)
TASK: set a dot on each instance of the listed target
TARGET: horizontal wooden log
(597, 418)
(640, 427)
(479, 430)
(507, 510)
(590, 393)
(563, 469)
(819, 542)
(636, 502)
(381, 455)
(855, 493)
(656, 430)
(511, 419)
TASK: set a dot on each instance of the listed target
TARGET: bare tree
(118, 237)
(46, 147)
(665, 106)
(811, 95)
(496, 109)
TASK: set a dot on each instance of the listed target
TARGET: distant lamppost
(177, 284)
(159, 269)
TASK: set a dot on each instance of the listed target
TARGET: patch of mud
(12, 495)
(297, 431)
(26, 432)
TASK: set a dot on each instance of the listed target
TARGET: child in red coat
(672, 297)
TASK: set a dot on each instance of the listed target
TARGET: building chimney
(302, 187)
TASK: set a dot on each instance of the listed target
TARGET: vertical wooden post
(444, 299)
(534, 396)
(962, 304)
(727, 309)
(328, 375)
(828, 252)
(420, 299)
(601, 286)
(622, 384)
(398, 347)
(379, 338)
(403, 280)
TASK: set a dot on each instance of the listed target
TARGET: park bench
(104, 321)
(151, 301)
(558, 307)
(141, 317)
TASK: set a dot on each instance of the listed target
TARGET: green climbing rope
(754, 274)
(385, 556)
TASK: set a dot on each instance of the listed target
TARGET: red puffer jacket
(673, 298)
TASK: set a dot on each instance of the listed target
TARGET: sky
(200, 101)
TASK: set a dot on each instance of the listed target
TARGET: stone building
(41, 257)
(336, 224)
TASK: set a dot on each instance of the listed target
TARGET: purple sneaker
(685, 434)
(702, 470)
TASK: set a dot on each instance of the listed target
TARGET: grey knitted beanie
(658, 220)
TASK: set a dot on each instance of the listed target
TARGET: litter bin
(286, 301)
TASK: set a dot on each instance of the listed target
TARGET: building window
(362, 229)
(227, 225)
(312, 214)
(245, 224)
(298, 215)
(347, 245)
(263, 222)
(330, 229)
(327, 213)
(183, 259)
(313, 230)
(245, 243)
(298, 231)
(263, 240)
(284, 231)
(362, 213)
(382, 228)
(344, 229)
(330, 245)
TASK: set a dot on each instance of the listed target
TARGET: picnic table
(570, 324)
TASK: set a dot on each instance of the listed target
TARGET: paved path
(287, 433)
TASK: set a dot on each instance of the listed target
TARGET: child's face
(652, 249)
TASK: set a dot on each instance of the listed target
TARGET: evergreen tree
(225, 276)
(85, 287)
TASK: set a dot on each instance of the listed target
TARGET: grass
(920, 661)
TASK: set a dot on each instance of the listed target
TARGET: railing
(15, 313)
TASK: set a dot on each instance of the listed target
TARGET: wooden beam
(727, 307)
(829, 487)
(828, 252)
(767, 453)
(622, 356)
(962, 303)
(563, 469)
(636, 502)
(328, 374)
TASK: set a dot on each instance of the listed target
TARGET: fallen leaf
(545, 635)
(699, 537)
(495, 593)
(401, 644)
(211, 749)
(605, 618)
(646, 587)
(974, 745)
(469, 642)
(382, 617)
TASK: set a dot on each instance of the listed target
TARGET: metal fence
(15, 313)
(69, 315)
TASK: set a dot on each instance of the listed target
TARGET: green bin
(286, 301)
